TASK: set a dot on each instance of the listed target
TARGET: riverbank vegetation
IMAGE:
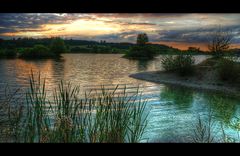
(142, 49)
(226, 67)
(182, 64)
(35, 51)
(105, 116)
(8, 53)
(220, 72)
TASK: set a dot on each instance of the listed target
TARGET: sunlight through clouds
(118, 27)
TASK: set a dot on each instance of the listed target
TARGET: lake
(173, 111)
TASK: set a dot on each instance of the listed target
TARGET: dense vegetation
(106, 116)
(141, 50)
(221, 60)
(8, 53)
(228, 70)
(28, 47)
(34, 49)
(38, 51)
(80, 46)
(58, 46)
(96, 49)
(182, 64)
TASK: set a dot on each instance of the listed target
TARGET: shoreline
(162, 77)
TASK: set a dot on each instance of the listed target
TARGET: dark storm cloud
(159, 26)
(12, 22)
(145, 15)
(195, 35)
(185, 35)
(129, 36)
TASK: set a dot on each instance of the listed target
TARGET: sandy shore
(203, 81)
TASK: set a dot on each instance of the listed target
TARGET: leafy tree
(58, 46)
(142, 50)
(38, 51)
(142, 39)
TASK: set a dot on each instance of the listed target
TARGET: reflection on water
(224, 109)
(174, 115)
(182, 98)
(143, 65)
(172, 110)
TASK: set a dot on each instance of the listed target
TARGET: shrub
(168, 63)
(58, 46)
(228, 70)
(80, 50)
(38, 51)
(141, 51)
(8, 53)
(182, 64)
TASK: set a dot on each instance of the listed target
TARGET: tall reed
(69, 117)
(11, 111)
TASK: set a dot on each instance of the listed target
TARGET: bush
(58, 46)
(141, 51)
(168, 63)
(228, 70)
(182, 64)
(8, 53)
(38, 51)
(80, 50)
(96, 49)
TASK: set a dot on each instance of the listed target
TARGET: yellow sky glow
(169, 29)
(78, 27)
(81, 27)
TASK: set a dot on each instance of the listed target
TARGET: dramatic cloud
(119, 27)
(199, 35)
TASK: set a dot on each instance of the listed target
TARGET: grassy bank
(216, 74)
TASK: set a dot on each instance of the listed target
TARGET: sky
(177, 30)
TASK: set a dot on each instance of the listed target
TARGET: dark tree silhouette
(142, 39)
(220, 41)
(141, 50)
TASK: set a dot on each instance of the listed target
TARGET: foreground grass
(105, 117)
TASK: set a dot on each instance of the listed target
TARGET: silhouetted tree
(220, 41)
(142, 39)
(141, 50)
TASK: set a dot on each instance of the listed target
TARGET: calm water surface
(172, 110)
